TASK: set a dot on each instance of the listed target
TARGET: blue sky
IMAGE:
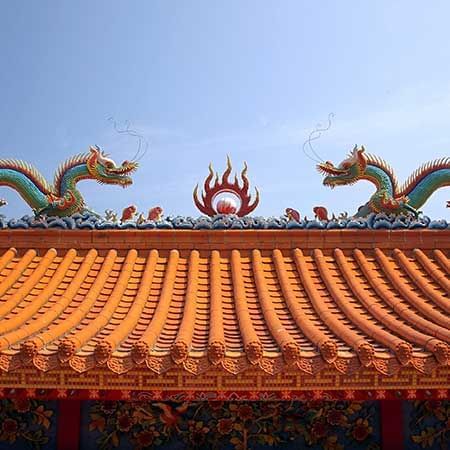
(203, 79)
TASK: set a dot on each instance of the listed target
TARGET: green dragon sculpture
(389, 198)
(63, 198)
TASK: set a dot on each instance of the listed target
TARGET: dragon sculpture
(389, 198)
(63, 198)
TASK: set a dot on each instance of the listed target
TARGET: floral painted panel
(27, 424)
(231, 425)
(427, 425)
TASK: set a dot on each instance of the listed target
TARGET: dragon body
(389, 197)
(63, 198)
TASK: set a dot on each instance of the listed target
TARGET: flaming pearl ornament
(213, 189)
(226, 205)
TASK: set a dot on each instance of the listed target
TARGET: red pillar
(391, 425)
(69, 425)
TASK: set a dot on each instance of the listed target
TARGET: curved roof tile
(195, 301)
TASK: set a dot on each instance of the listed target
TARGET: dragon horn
(362, 160)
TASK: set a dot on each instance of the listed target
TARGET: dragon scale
(24, 186)
(380, 178)
(422, 191)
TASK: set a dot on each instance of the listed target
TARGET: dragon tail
(26, 181)
(425, 181)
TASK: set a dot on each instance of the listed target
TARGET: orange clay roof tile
(230, 300)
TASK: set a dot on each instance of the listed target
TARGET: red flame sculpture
(206, 206)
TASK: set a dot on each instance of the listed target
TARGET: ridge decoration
(63, 198)
(389, 198)
(226, 206)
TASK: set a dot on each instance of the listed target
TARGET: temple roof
(229, 300)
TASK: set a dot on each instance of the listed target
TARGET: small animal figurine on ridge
(111, 216)
(340, 216)
(155, 213)
(62, 198)
(320, 213)
(292, 214)
(389, 198)
(141, 219)
(128, 213)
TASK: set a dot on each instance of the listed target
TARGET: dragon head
(348, 171)
(105, 170)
